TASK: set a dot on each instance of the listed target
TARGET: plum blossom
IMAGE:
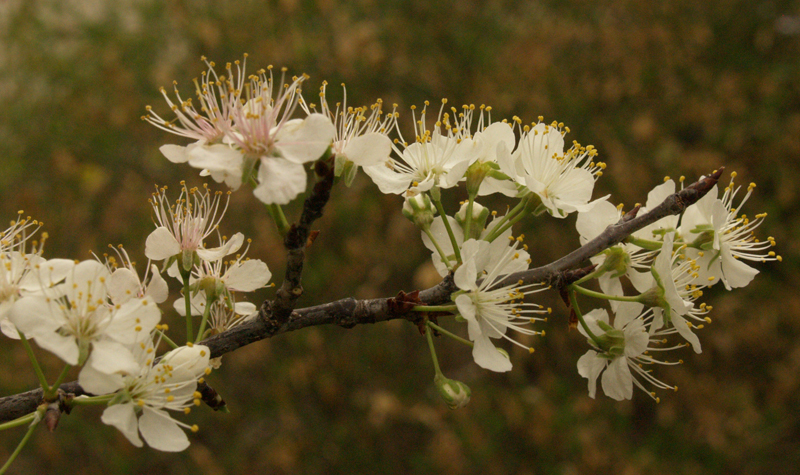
(491, 309)
(721, 239)
(154, 388)
(623, 355)
(562, 180)
(433, 159)
(78, 324)
(361, 137)
(184, 225)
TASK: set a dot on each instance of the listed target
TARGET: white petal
(223, 163)
(175, 153)
(123, 417)
(369, 149)
(161, 244)
(590, 366)
(307, 140)
(280, 181)
(617, 380)
(157, 289)
(133, 321)
(216, 253)
(736, 273)
(247, 276)
(388, 180)
(161, 432)
(96, 382)
(123, 285)
(487, 356)
(111, 357)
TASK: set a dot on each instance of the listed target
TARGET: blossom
(265, 132)
(18, 233)
(124, 283)
(562, 180)
(361, 133)
(207, 124)
(625, 259)
(624, 348)
(720, 238)
(26, 275)
(433, 159)
(183, 227)
(78, 322)
(146, 396)
(671, 291)
(491, 309)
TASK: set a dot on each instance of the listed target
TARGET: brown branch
(350, 312)
(279, 310)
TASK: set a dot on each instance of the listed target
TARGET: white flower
(79, 322)
(124, 283)
(264, 130)
(157, 387)
(207, 124)
(184, 225)
(563, 180)
(26, 275)
(672, 289)
(491, 310)
(720, 239)
(433, 159)
(627, 349)
(15, 237)
(361, 133)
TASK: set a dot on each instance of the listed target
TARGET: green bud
(479, 215)
(419, 210)
(617, 261)
(455, 393)
(612, 341)
(475, 175)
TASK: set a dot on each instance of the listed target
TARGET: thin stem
(446, 221)
(435, 308)
(20, 421)
(187, 296)
(204, 321)
(92, 401)
(36, 368)
(51, 392)
(276, 212)
(513, 212)
(427, 231)
(25, 438)
(167, 339)
(597, 273)
(598, 295)
(447, 333)
(573, 300)
(495, 234)
(433, 353)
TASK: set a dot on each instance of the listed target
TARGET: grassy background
(669, 88)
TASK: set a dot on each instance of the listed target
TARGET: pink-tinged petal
(157, 289)
(161, 244)
(123, 285)
(111, 357)
(133, 321)
(617, 381)
(280, 181)
(123, 417)
(161, 432)
(247, 276)
(590, 366)
(369, 149)
(96, 382)
(307, 140)
(486, 356)
(175, 153)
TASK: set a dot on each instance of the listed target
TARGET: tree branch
(350, 312)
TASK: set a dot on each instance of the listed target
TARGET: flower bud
(479, 215)
(612, 341)
(419, 210)
(617, 261)
(455, 393)
(475, 175)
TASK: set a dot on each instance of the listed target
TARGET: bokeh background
(660, 88)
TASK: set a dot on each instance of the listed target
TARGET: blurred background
(660, 88)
